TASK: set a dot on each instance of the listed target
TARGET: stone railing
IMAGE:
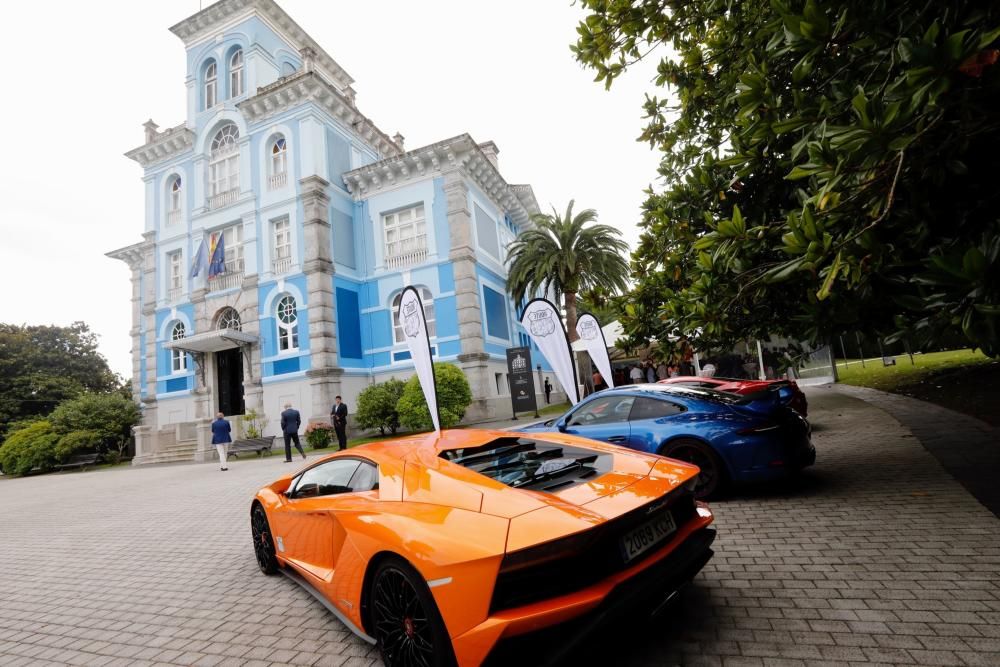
(173, 217)
(223, 199)
(281, 265)
(276, 181)
(174, 294)
(408, 258)
(233, 277)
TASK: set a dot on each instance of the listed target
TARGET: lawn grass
(557, 409)
(962, 380)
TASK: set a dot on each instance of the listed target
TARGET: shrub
(319, 435)
(77, 441)
(454, 396)
(377, 406)
(110, 417)
(33, 446)
(254, 423)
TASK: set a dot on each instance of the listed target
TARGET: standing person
(650, 372)
(599, 383)
(221, 437)
(548, 391)
(635, 375)
(339, 418)
(661, 371)
(290, 422)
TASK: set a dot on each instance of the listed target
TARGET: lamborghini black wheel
(263, 543)
(404, 619)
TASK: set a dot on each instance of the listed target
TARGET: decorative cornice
(162, 145)
(132, 255)
(459, 153)
(526, 194)
(311, 87)
(200, 25)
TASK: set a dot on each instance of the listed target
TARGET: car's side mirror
(561, 425)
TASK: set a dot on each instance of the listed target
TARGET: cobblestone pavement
(876, 555)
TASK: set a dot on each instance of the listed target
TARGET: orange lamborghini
(456, 547)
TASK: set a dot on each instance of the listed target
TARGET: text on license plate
(647, 536)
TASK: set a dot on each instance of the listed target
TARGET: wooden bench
(81, 461)
(258, 446)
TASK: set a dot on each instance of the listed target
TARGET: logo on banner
(541, 323)
(411, 321)
(588, 329)
(518, 363)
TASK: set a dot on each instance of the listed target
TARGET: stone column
(146, 441)
(324, 374)
(473, 358)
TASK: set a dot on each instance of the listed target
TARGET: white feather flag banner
(542, 322)
(589, 331)
(411, 316)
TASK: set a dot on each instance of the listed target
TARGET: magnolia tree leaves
(826, 165)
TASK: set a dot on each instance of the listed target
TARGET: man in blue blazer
(290, 422)
(221, 437)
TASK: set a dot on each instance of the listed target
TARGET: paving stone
(875, 555)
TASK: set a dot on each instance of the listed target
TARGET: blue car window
(604, 410)
(651, 408)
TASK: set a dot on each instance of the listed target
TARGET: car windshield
(702, 393)
(529, 463)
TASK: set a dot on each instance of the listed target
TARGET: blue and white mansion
(323, 218)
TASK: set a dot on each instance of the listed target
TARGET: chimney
(151, 128)
(491, 151)
(398, 138)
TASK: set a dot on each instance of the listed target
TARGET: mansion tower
(319, 219)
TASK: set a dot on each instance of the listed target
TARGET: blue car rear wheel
(713, 474)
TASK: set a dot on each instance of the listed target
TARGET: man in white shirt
(636, 375)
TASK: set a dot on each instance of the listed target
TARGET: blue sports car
(731, 437)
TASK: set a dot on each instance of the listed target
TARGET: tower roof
(205, 23)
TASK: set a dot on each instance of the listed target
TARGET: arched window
(230, 319)
(175, 195)
(211, 85)
(397, 326)
(178, 358)
(224, 162)
(236, 73)
(278, 153)
(288, 324)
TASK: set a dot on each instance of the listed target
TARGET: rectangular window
(405, 237)
(178, 361)
(233, 238)
(236, 82)
(496, 314)
(486, 230)
(282, 236)
(176, 270)
(288, 337)
(224, 174)
(210, 96)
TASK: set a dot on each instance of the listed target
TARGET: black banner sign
(522, 384)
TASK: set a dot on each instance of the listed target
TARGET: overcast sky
(83, 76)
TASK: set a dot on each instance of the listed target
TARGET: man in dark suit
(290, 422)
(339, 418)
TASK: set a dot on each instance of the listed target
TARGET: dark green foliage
(566, 255)
(826, 165)
(40, 366)
(454, 396)
(377, 406)
(28, 448)
(108, 418)
(76, 442)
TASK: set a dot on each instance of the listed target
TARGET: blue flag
(200, 260)
(218, 262)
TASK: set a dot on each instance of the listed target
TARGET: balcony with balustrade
(406, 258)
(230, 278)
(223, 199)
(277, 181)
(281, 265)
(173, 217)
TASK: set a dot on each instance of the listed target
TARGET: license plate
(648, 535)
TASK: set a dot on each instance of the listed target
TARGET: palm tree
(564, 254)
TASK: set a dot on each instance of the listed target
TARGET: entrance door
(229, 381)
